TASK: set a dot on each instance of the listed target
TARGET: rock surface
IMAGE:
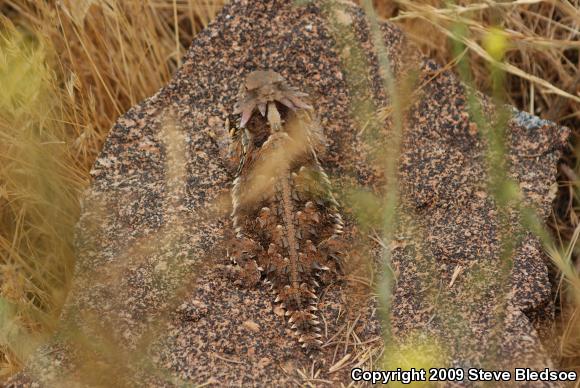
(153, 301)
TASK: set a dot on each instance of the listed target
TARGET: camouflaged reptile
(286, 220)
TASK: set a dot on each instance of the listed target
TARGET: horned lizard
(285, 216)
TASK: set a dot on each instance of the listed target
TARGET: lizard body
(288, 228)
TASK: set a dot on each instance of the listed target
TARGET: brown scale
(288, 229)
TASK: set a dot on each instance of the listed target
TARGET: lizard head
(269, 92)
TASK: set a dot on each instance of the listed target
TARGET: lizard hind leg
(331, 253)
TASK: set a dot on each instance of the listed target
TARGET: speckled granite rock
(153, 302)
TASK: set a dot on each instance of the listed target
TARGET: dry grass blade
(340, 364)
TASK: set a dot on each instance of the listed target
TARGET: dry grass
(69, 70)
(542, 60)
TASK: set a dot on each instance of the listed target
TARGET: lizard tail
(300, 305)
